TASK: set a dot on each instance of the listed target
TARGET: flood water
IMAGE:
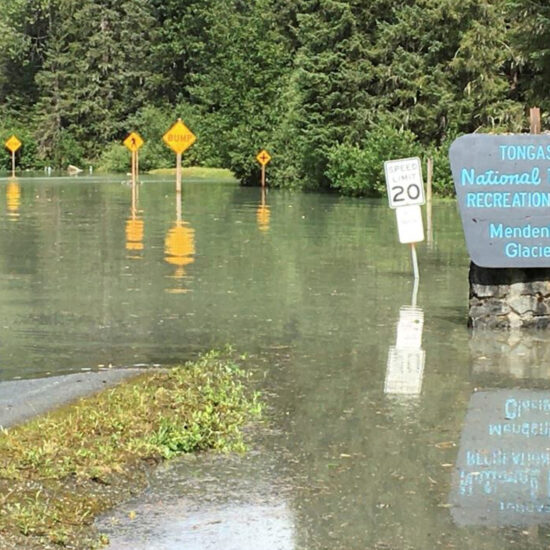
(390, 424)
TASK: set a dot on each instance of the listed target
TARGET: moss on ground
(59, 471)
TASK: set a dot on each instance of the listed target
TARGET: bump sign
(179, 137)
(13, 144)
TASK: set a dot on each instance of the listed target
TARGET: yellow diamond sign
(263, 157)
(133, 142)
(179, 137)
(13, 144)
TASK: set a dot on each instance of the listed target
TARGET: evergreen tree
(244, 57)
(23, 28)
(367, 68)
(326, 94)
(485, 72)
(530, 36)
(98, 70)
(315, 82)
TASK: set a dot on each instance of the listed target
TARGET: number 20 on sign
(404, 182)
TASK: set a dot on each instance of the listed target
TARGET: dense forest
(331, 88)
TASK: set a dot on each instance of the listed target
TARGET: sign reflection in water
(512, 354)
(263, 214)
(405, 367)
(179, 248)
(134, 227)
(502, 475)
(13, 199)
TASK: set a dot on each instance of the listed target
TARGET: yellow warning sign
(179, 137)
(263, 157)
(133, 142)
(13, 144)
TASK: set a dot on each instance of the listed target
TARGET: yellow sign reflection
(179, 247)
(263, 214)
(134, 228)
(134, 234)
(13, 199)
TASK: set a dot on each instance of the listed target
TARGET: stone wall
(508, 298)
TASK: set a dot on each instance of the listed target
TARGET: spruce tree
(23, 28)
(326, 93)
(98, 70)
(530, 36)
(243, 58)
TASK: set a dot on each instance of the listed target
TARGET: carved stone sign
(502, 185)
(502, 474)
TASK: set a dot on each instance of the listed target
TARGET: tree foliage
(316, 82)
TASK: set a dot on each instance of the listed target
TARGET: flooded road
(391, 426)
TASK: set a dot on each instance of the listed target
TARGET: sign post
(134, 142)
(429, 180)
(263, 157)
(406, 195)
(179, 138)
(13, 145)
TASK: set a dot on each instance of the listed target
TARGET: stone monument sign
(502, 185)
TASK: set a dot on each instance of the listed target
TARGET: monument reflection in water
(502, 474)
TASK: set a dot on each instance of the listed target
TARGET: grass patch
(198, 172)
(61, 470)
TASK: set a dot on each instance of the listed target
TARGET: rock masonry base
(508, 298)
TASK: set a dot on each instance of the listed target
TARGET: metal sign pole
(430, 170)
(13, 164)
(134, 168)
(178, 207)
(178, 172)
(414, 261)
(416, 274)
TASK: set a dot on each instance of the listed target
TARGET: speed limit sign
(404, 182)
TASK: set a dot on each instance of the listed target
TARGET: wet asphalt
(21, 400)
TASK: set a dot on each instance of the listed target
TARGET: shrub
(359, 169)
(116, 158)
(442, 178)
(152, 122)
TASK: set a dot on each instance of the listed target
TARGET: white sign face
(409, 224)
(404, 182)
